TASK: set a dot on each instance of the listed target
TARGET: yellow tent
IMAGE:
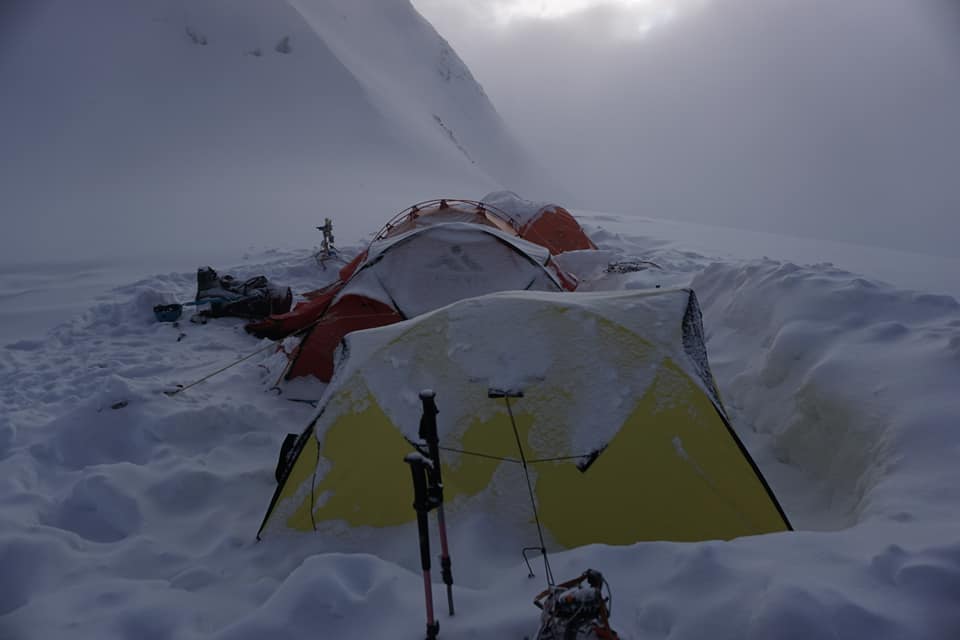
(619, 416)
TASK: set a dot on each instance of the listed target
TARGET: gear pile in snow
(254, 298)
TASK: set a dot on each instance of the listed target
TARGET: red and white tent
(428, 256)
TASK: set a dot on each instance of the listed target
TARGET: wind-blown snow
(125, 513)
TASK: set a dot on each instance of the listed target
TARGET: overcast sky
(826, 118)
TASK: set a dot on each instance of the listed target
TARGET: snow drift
(850, 379)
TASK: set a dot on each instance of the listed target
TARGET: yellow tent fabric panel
(671, 473)
(670, 469)
(365, 484)
(296, 489)
(368, 484)
(363, 480)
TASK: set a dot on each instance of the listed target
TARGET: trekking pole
(421, 503)
(428, 433)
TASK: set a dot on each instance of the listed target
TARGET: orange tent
(427, 256)
(545, 223)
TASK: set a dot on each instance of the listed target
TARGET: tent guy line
(248, 356)
(218, 371)
(526, 475)
(592, 454)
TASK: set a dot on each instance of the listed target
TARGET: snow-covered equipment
(427, 256)
(573, 610)
(225, 296)
(620, 416)
(327, 251)
(255, 297)
(427, 496)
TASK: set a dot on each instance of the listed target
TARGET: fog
(823, 118)
(811, 117)
(178, 127)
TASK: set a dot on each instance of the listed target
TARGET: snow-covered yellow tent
(619, 416)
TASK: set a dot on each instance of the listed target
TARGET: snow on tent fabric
(428, 268)
(418, 271)
(619, 407)
(429, 255)
(545, 223)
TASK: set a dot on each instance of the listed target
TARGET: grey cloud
(819, 118)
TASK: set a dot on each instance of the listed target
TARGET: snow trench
(849, 382)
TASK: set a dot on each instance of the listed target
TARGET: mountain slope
(130, 126)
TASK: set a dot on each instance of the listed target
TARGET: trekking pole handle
(428, 434)
(419, 468)
(428, 421)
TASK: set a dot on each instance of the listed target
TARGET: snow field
(138, 521)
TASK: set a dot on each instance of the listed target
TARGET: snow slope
(125, 513)
(134, 129)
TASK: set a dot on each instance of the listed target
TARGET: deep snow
(130, 514)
